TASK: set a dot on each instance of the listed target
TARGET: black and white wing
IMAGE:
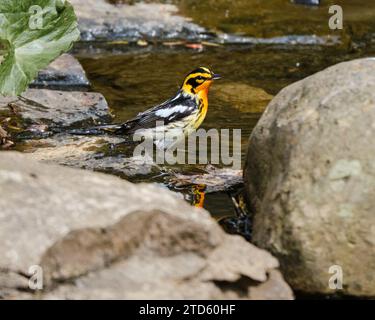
(172, 110)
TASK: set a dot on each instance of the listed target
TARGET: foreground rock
(310, 178)
(100, 20)
(56, 108)
(97, 236)
(65, 73)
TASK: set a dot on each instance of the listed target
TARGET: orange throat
(202, 96)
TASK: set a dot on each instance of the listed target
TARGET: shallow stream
(277, 43)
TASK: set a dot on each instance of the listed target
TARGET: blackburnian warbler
(184, 112)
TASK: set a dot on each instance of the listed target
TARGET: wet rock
(57, 108)
(100, 153)
(310, 178)
(243, 97)
(100, 20)
(65, 73)
(214, 179)
(97, 236)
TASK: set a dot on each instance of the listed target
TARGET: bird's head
(199, 80)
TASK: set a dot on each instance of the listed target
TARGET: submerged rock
(57, 108)
(243, 97)
(65, 73)
(310, 178)
(96, 236)
(100, 20)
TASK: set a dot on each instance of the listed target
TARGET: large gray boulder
(97, 236)
(310, 179)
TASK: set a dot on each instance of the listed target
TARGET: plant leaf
(33, 33)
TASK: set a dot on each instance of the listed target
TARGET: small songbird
(185, 111)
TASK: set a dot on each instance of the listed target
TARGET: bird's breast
(202, 101)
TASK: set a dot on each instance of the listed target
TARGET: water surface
(132, 80)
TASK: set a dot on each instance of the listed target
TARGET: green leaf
(33, 33)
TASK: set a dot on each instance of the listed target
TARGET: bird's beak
(216, 77)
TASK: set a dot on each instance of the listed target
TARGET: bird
(184, 112)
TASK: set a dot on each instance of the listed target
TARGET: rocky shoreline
(309, 181)
(305, 232)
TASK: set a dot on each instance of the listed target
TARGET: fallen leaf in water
(173, 43)
(14, 128)
(119, 42)
(142, 43)
(195, 46)
(211, 44)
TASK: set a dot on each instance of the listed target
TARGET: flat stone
(57, 108)
(88, 152)
(65, 73)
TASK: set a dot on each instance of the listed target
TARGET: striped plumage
(186, 110)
